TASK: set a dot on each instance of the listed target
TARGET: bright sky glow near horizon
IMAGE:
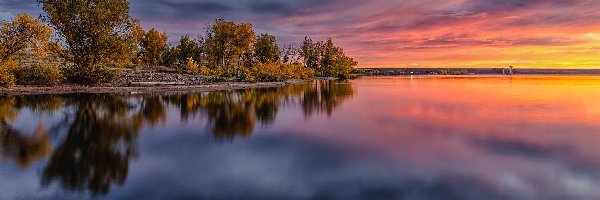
(399, 33)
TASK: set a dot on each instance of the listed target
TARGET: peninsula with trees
(85, 44)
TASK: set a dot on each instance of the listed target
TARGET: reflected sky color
(400, 33)
(475, 137)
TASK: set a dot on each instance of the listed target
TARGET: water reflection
(23, 148)
(325, 98)
(100, 142)
(235, 113)
(96, 134)
(422, 138)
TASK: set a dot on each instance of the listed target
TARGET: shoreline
(219, 86)
(473, 71)
(79, 89)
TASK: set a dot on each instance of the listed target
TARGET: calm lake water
(421, 138)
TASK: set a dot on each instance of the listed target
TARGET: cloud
(364, 27)
(10, 8)
(270, 7)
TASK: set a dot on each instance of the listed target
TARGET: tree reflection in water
(24, 148)
(235, 113)
(101, 130)
(325, 96)
(100, 142)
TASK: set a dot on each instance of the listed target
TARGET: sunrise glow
(407, 33)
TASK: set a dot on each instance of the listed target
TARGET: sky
(399, 33)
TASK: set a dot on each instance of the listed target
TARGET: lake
(419, 137)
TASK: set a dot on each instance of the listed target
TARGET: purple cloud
(365, 27)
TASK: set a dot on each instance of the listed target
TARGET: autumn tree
(342, 66)
(334, 62)
(326, 58)
(93, 33)
(227, 44)
(133, 55)
(266, 49)
(329, 54)
(153, 44)
(22, 33)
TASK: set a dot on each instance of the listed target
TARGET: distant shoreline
(169, 89)
(79, 89)
(473, 71)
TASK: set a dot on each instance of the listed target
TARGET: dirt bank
(73, 89)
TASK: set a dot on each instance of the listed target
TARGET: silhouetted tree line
(92, 37)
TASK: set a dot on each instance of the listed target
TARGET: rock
(127, 77)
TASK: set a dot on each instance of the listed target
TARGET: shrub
(7, 78)
(204, 70)
(340, 67)
(39, 74)
(281, 71)
(267, 71)
(93, 76)
(262, 72)
(179, 67)
(247, 75)
(192, 65)
(215, 73)
(296, 71)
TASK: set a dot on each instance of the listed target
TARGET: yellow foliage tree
(192, 65)
(153, 45)
(22, 33)
(94, 33)
(7, 78)
(227, 44)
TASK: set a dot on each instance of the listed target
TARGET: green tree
(94, 33)
(171, 56)
(266, 49)
(334, 62)
(153, 45)
(330, 53)
(326, 58)
(188, 48)
(342, 66)
(311, 53)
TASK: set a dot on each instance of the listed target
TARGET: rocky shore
(147, 82)
(127, 77)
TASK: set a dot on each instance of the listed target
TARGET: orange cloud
(407, 33)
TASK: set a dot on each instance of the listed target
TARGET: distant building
(507, 71)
